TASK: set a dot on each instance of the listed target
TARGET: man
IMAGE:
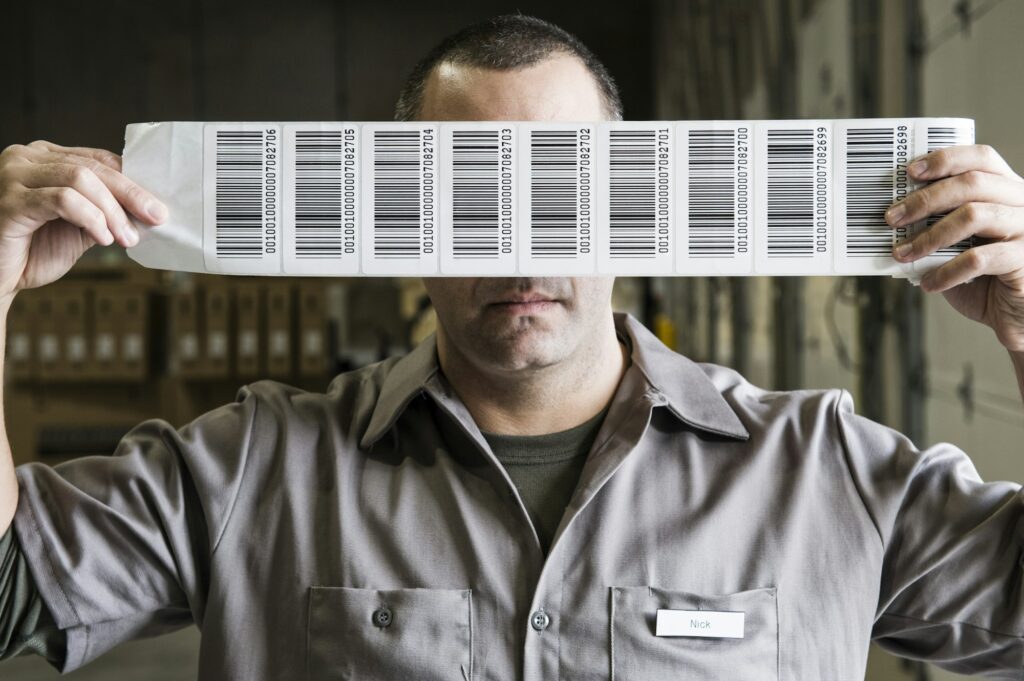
(521, 494)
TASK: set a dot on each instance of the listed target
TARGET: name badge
(706, 623)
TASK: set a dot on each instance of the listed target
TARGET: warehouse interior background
(113, 344)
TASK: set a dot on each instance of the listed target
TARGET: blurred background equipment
(112, 344)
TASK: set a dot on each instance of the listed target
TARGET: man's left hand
(984, 197)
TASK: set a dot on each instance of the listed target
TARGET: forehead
(558, 87)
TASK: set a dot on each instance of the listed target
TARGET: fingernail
(131, 235)
(157, 211)
(918, 168)
(904, 249)
(894, 214)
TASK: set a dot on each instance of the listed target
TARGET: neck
(538, 401)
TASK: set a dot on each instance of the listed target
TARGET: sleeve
(26, 625)
(120, 546)
(950, 591)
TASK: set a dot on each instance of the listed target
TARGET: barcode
(869, 190)
(790, 204)
(712, 193)
(475, 193)
(938, 138)
(631, 193)
(546, 198)
(318, 195)
(396, 194)
(238, 194)
(554, 191)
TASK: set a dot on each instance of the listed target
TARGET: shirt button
(539, 620)
(382, 617)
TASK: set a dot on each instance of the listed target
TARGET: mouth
(524, 303)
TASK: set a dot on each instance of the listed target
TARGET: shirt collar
(681, 383)
(673, 380)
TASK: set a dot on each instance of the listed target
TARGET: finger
(107, 158)
(89, 185)
(1002, 257)
(47, 203)
(944, 195)
(960, 159)
(132, 196)
(992, 220)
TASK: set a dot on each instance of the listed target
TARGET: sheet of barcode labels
(639, 198)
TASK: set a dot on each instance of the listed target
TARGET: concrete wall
(975, 71)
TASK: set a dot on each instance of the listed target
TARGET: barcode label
(789, 155)
(869, 162)
(501, 198)
(242, 206)
(321, 219)
(932, 135)
(711, 204)
(558, 199)
(717, 199)
(939, 137)
(637, 199)
(400, 199)
(479, 198)
(873, 173)
(795, 198)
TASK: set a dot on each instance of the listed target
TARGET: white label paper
(504, 198)
(701, 623)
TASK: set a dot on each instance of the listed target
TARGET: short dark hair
(505, 42)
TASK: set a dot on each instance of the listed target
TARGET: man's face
(490, 320)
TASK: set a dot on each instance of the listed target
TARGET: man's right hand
(55, 203)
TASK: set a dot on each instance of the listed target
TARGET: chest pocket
(637, 654)
(377, 634)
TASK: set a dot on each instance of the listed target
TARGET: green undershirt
(545, 470)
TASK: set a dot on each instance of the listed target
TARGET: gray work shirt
(369, 532)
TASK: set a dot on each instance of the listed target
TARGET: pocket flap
(366, 633)
(638, 653)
